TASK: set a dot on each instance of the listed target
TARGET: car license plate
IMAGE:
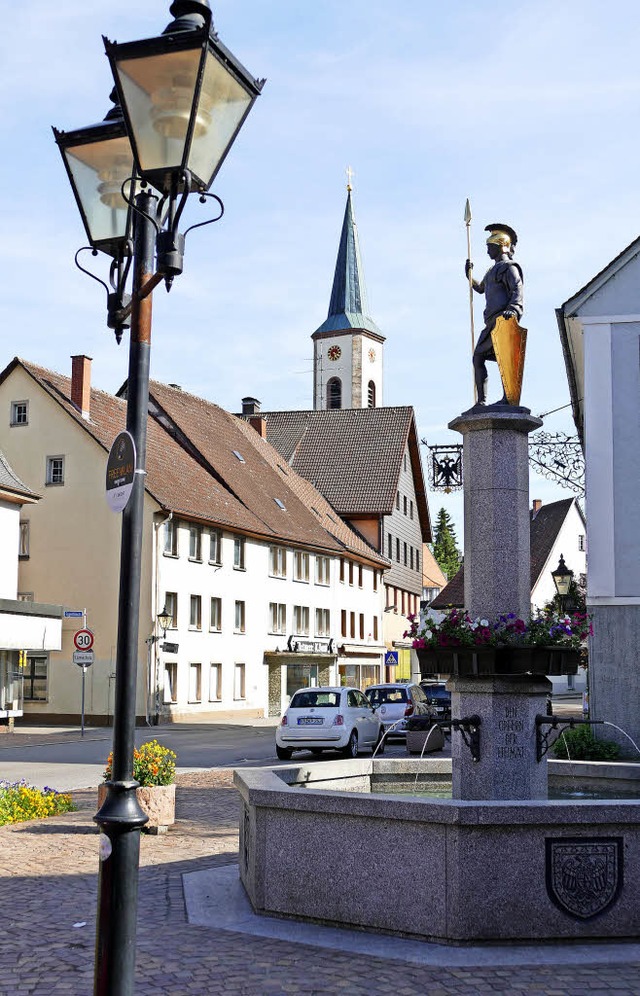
(309, 721)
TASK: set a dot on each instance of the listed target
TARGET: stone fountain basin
(317, 844)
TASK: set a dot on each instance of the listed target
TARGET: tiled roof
(353, 456)
(239, 496)
(544, 529)
(9, 481)
(259, 480)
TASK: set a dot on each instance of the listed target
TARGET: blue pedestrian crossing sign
(391, 658)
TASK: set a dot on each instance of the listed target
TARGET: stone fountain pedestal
(497, 580)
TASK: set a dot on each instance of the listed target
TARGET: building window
(405, 462)
(170, 681)
(278, 562)
(359, 575)
(581, 543)
(375, 580)
(411, 509)
(411, 557)
(19, 413)
(55, 470)
(171, 538)
(195, 683)
(323, 622)
(323, 570)
(351, 573)
(171, 605)
(398, 500)
(300, 566)
(390, 545)
(334, 393)
(195, 612)
(342, 570)
(403, 608)
(195, 543)
(239, 618)
(215, 618)
(361, 621)
(35, 678)
(343, 622)
(398, 550)
(405, 553)
(301, 620)
(405, 504)
(239, 690)
(238, 553)
(352, 625)
(371, 395)
(278, 613)
(215, 683)
(25, 596)
(375, 628)
(23, 542)
(417, 560)
(215, 547)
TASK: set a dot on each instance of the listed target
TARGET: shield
(509, 341)
(584, 876)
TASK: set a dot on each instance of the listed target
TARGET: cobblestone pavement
(48, 889)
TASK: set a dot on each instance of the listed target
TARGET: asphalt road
(63, 760)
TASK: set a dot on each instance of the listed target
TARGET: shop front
(360, 666)
(304, 664)
(28, 631)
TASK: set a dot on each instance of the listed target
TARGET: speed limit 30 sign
(83, 639)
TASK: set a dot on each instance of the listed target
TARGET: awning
(30, 625)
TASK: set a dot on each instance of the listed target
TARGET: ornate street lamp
(184, 97)
(164, 618)
(562, 578)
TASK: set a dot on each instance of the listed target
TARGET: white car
(328, 719)
(394, 702)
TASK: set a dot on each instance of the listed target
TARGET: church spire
(348, 308)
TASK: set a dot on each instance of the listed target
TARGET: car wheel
(283, 753)
(316, 751)
(351, 750)
(381, 743)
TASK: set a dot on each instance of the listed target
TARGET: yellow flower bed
(20, 801)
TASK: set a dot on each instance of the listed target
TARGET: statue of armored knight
(502, 339)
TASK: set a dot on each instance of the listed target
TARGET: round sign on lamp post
(121, 468)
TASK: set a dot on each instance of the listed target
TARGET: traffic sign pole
(84, 670)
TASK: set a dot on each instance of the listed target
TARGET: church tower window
(334, 393)
(371, 395)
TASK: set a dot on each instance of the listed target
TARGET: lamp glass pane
(158, 93)
(99, 169)
(222, 105)
(563, 583)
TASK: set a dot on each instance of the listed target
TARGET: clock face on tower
(334, 352)
(372, 355)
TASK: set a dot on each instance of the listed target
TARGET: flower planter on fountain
(154, 767)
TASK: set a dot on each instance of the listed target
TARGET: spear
(467, 221)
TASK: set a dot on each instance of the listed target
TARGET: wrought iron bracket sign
(445, 467)
(468, 728)
(555, 723)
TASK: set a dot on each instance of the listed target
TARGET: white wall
(9, 539)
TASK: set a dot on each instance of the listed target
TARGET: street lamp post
(184, 97)
(562, 578)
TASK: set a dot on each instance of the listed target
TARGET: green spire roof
(348, 308)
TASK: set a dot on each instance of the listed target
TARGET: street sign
(121, 468)
(84, 658)
(83, 639)
(73, 613)
(170, 648)
(391, 658)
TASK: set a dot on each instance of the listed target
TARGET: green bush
(20, 801)
(580, 744)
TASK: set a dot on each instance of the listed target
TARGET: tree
(445, 549)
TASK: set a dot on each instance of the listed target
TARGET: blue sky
(531, 112)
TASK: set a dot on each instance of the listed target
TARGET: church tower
(347, 347)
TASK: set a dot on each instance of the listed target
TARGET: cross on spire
(350, 176)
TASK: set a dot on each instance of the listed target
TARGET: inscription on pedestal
(509, 746)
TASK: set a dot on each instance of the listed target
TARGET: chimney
(537, 505)
(81, 384)
(259, 423)
(250, 406)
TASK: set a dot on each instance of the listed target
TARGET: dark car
(438, 696)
